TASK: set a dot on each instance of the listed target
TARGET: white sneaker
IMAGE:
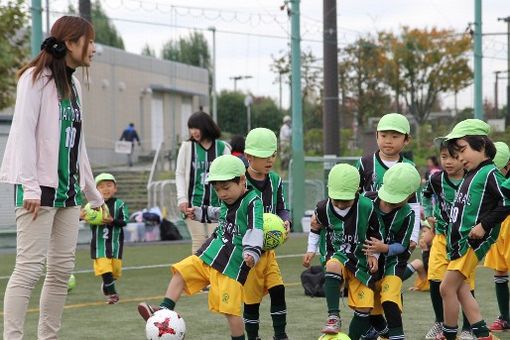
(436, 329)
(466, 335)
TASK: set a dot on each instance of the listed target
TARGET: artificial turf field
(145, 278)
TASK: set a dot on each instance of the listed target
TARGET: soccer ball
(71, 283)
(94, 217)
(338, 336)
(274, 231)
(165, 324)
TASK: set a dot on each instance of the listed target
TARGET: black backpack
(312, 280)
(168, 231)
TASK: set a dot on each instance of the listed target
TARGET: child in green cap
(400, 183)
(225, 259)
(478, 209)
(393, 134)
(260, 151)
(438, 196)
(343, 222)
(498, 256)
(107, 243)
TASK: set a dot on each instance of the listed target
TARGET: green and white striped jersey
(237, 222)
(200, 193)
(271, 192)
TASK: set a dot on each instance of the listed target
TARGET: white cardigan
(31, 154)
(183, 169)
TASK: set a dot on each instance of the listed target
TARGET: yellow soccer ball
(338, 336)
(94, 217)
(274, 231)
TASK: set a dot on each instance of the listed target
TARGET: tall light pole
(478, 60)
(36, 11)
(507, 20)
(248, 101)
(236, 78)
(496, 92)
(213, 90)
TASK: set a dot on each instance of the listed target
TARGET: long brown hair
(66, 28)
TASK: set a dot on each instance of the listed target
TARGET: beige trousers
(199, 232)
(48, 241)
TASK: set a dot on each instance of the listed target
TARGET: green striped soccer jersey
(224, 249)
(108, 239)
(200, 193)
(442, 190)
(479, 199)
(271, 192)
(344, 237)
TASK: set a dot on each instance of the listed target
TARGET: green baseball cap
(105, 177)
(343, 182)
(502, 154)
(469, 127)
(260, 142)
(394, 122)
(225, 168)
(400, 181)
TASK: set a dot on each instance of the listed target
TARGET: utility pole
(213, 90)
(507, 20)
(330, 49)
(48, 18)
(236, 78)
(478, 60)
(496, 92)
(84, 8)
(298, 157)
(36, 11)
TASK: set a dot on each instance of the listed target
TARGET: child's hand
(314, 224)
(374, 246)
(477, 232)
(107, 220)
(373, 264)
(307, 259)
(183, 206)
(287, 229)
(432, 221)
(412, 245)
(190, 213)
(82, 214)
(248, 259)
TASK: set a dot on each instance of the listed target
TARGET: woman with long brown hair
(46, 159)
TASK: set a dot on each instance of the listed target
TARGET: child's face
(388, 207)
(469, 157)
(230, 191)
(451, 164)
(107, 189)
(261, 165)
(391, 143)
(343, 204)
(195, 134)
(75, 57)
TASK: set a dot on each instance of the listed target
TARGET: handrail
(154, 164)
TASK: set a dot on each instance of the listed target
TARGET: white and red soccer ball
(165, 324)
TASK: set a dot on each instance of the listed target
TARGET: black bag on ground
(312, 280)
(168, 231)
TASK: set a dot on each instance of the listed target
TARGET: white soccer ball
(165, 324)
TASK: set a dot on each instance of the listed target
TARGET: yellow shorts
(104, 265)
(389, 288)
(359, 295)
(225, 294)
(466, 265)
(264, 276)
(498, 256)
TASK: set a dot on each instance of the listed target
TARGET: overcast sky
(249, 32)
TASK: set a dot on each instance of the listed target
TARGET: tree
(266, 114)
(148, 51)
(14, 48)
(191, 50)
(429, 62)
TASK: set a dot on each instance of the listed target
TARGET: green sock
(240, 337)
(502, 295)
(437, 300)
(110, 289)
(332, 289)
(360, 324)
(397, 332)
(480, 329)
(279, 316)
(167, 303)
(408, 272)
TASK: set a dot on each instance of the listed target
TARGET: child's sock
(437, 300)
(278, 311)
(480, 329)
(167, 303)
(360, 324)
(108, 284)
(450, 332)
(465, 322)
(408, 272)
(251, 320)
(332, 289)
(240, 337)
(502, 295)
(379, 324)
(394, 320)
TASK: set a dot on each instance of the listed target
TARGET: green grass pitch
(146, 276)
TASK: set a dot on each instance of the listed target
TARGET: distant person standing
(130, 135)
(285, 138)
